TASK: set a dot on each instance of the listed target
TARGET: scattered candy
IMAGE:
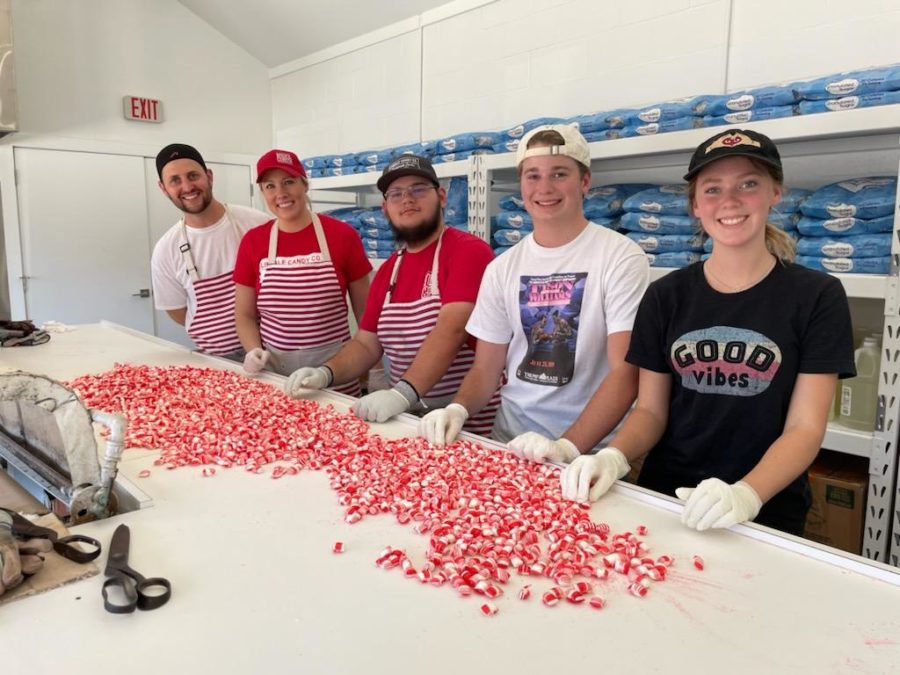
(487, 516)
(338, 547)
(144, 473)
(698, 562)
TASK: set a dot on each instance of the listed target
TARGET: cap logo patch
(405, 163)
(284, 158)
(731, 141)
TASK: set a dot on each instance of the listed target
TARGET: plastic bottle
(859, 394)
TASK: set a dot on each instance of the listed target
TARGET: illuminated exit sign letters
(142, 109)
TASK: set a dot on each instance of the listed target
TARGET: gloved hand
(589, 477)
(537, 448)
(18, 558)
(715, 503)
(441, 426)
(380, 406)
(255, 360)
(307, 378)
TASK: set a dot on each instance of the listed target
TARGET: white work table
(257, 589)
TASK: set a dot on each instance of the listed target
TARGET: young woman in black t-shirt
(738, 357)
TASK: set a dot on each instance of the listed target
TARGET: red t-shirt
(461, 264)
(347, 253)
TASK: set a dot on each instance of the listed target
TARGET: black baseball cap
(406, 165)
(175, 151)
(735, 143)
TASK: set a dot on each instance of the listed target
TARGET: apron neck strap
(317, 229)
(432, 282)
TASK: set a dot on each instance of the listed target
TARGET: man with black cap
(418, 305)
(193, 261)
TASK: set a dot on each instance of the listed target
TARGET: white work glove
(18, 558)
(715, 503)
(441, 426)
(255, 360)
(589, 477)
(537, 448)
(383, 405)
(307, 378)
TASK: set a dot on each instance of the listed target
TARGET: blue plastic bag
(520, 130)
(604, 201)
(858, 198)
(869, 100)
(858, 246)
(755, 115)
(509, 237)
(665, 243)
(851, 82)
(661, 112)
(881, 265)
(467, 141)
(843, 227)
(637, 221)
(512, 202)
(673, 259)
(749, 99)
(456, 211)
(667, 199)
(514, 220)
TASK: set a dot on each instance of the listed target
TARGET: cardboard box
(837, 516)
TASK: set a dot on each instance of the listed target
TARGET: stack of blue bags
(456, 211)
(750, 105)
(658, 219)
(511, 225)
(462, 146)
(849, 90)
(372, 226)
(846, 226)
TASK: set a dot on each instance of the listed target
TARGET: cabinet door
(231, 184)
(83, 227)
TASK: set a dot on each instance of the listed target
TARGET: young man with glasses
(555, 312)
(418, 305)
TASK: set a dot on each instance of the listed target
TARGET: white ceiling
(279, 31)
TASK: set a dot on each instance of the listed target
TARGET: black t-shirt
(734, 359)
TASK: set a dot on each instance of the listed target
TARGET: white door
(83, 227)
(231, 184)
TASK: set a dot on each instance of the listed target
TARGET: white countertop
(256, 587)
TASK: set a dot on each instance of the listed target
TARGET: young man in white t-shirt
(555, 313)
(192, 262)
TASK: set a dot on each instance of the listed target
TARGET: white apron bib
(403, 327)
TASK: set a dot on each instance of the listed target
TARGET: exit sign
(142, 109)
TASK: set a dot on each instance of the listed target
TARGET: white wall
(75, 59)
(512, 60)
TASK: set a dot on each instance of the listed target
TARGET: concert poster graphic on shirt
(726, 360)
(550, 309)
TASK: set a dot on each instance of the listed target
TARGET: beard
(205, 201)
(416, 234)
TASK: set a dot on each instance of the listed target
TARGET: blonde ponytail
(780, 244)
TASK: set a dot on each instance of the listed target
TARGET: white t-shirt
(214, 249)
(554, 307)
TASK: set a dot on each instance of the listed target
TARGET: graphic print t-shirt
(550, 307)
(734, 359)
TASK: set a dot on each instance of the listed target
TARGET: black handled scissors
(23, 528)
(123, 580)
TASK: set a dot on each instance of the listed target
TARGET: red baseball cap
(285, 160)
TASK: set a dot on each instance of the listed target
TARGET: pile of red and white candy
(488, 514)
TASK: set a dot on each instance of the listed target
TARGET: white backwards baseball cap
(574, 145)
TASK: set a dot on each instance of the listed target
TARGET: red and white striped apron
(212, 326)
(403, 327)
(302, 309)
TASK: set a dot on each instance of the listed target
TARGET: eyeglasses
(271, 185)
(415, 191)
